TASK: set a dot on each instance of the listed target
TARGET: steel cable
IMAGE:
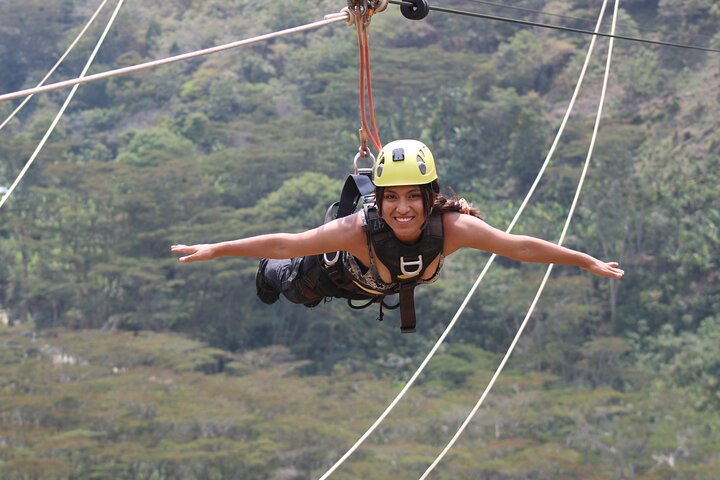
(333, 18)
(484, 271)
(560, 27)
(57, 64)
(570, 215)
(54, 123)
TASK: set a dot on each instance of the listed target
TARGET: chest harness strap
(406, 263)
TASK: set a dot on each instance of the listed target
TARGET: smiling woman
(396, 241)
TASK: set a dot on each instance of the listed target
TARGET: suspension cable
(332, 18)
(50, 129)
(485, 269)
(570, 215)
(558, 27)
(57, 64)
(530, 10)
(569, 17)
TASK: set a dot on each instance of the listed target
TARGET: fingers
(615, 271)
(608, 269)
(190, 258)
(186, 250)
(189, 252)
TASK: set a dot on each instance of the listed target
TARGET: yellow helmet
(404, 162)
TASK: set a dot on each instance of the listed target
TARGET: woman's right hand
(194, 253)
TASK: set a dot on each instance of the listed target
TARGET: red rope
(365, 72)
(369, 89)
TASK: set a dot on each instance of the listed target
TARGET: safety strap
(361, 186)
(356, 186)
(407, 307)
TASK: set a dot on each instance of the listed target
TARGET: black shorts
(306, 281)
(300, 279)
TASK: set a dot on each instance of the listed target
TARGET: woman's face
(403, 210)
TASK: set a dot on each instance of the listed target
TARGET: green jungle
(118, 362)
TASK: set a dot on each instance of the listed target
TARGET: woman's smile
(403, 210)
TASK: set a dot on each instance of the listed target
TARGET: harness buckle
(418, 264)
(331, 261)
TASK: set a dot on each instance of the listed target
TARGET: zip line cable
(570, 215)
(529, 10)
(329, 19)
(57, 64)
(569, 17)
(557, 27)
(62, 109)
(485, 269)
(332, 18)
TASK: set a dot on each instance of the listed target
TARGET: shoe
(314, 303)
(265, 292)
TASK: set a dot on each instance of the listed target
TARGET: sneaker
(265, 292)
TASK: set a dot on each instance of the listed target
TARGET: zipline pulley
(418, 10)
(367, 7)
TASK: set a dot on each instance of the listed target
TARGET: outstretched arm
(468, 231)
(342, 234)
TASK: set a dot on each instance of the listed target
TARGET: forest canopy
(259, 140)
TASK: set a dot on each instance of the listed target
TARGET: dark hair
(436, 202)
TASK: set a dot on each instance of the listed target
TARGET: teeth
(403, 220)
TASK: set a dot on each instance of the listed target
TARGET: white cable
(62, 109)
(185, 56)
(57, 64)
(485, 269)
(550, 267)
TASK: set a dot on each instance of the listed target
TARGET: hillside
(88, 404)
(259, 140)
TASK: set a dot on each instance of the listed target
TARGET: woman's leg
(286, 276)
(268, 281)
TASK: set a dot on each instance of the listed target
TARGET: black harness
(407, 263)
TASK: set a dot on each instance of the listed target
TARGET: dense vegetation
(180, 372)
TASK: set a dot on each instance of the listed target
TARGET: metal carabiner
(359, 155)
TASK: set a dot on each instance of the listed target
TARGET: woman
(389, 246)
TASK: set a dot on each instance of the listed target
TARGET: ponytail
(442, 204)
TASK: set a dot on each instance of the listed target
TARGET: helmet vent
(421, 165)
(398, 154)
